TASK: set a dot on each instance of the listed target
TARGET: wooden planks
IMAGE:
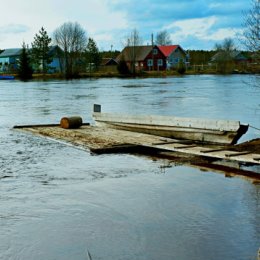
(113, 140)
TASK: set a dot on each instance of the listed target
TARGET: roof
(235, 55)
(140, 53)
(11, 52)
(167, 49)
(108, 61)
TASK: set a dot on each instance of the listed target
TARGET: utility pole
(152, 52)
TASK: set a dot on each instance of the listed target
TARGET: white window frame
(160, 62)
(149, 62)
(155, 51)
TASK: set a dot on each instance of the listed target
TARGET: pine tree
(40, 50)
(24, 67)
(93, 57)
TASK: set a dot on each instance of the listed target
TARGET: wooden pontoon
(99, 140)
(194, 129)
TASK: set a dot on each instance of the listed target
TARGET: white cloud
(14, 28)
(222, 34)
(95, 17)
(198, 27)
(201, 28)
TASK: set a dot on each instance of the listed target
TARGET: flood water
(61, 203)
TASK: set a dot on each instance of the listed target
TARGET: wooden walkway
(103, 140)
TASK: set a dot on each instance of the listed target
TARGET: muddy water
(58, 202)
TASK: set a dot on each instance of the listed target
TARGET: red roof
(167, 49)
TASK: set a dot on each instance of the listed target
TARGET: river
(62, 203)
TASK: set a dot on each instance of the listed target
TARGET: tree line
(76, 52)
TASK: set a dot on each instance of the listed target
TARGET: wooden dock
(107, 140)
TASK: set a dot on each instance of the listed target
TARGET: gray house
(235, 56)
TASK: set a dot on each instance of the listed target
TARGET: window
(160, 62)
(155, 51)
(149, 62)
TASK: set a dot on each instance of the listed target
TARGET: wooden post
(97, 108)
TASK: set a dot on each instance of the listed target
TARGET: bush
(181, 69)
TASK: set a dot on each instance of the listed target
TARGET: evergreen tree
(40, 50)
(93, 57)
(24, 67)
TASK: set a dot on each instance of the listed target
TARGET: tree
(71, 38)
(163, 38)
(24, 67)
(251, 36)
(133, 41)
(224, 55)
(251, 33)
(40, 50)
(93, 57)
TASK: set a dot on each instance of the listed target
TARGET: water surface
(58, 202)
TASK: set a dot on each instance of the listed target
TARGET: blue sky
(194, 24)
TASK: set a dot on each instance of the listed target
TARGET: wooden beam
(237, 154)
(185, 146)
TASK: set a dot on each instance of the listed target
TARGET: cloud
(203, 30)
(109, 21)
(197, 27)
(14, 28)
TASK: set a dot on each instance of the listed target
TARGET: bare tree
(251, 33)
(224, 57)
(251, 37)
(133, 41)
(72, 39)
(163, 38)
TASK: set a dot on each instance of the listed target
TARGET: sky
(193, 24)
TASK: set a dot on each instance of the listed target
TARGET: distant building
(235, 56)
(108, 62)
(150, 57)
(9, 59)
(174, 55)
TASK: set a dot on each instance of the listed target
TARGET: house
(143, 58)
(9, 59)
(108, 62)
(155, 57)
(134, 56)
(235, 56)
(155, 60)
(174, 55)
(108, 65)
(56, 64)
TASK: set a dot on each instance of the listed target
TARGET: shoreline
(146, 74)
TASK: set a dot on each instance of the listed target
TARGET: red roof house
(148, 58)
(174, 54)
